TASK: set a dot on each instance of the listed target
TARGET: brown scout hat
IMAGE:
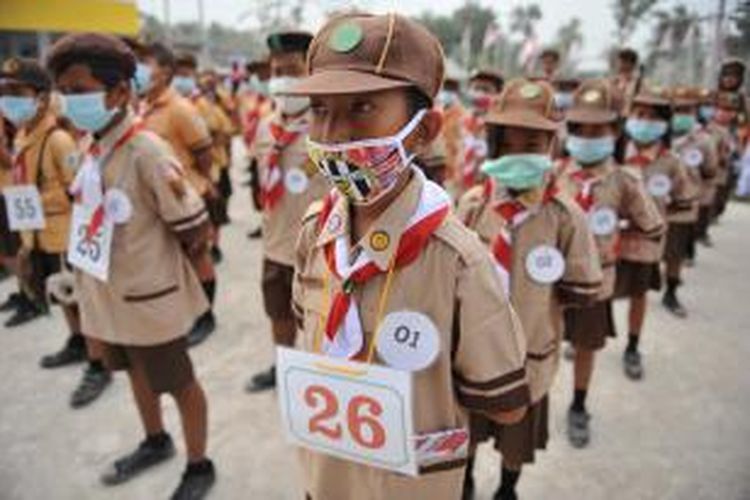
(566, 84)
(25, 72)
(285, 42)
(686, 96)
(186, 59)
(487, 74)
(733, 65)
(729, 100)
(525, 104)
(595, 101)
(95, 48)
(356, 53)
(653, 96)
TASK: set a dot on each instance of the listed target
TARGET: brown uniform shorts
(276, 281)
(517, 443)
(167, 367)
(636, 278)
(679, 240)
(588, 327)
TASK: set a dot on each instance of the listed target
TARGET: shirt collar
(106, 142)
(28, 137)
(382, 239)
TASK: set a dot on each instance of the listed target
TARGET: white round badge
(659, 185)
(295, 181)
(117, 206)
(603, 221)
(545, 264)
(692, 158)
(408, 341)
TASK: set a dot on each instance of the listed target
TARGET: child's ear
(429, 128)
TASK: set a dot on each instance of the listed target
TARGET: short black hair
(163, 55)
(628, 55)
(108, 58)
(417, 100)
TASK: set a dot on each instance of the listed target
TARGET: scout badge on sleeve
(359, 411)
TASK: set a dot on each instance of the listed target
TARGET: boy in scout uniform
(46, 156)
(612, 198)
(202, 93)
(373, 79)
(289, 183)
(723, 130)
(696, 153)
(178, 122)
(135, 190)
(542, 243)
(667, 182)
(550, 64)
(483, 86)
(706, 110)
(627, 77)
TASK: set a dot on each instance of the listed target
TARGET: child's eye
(362, 107)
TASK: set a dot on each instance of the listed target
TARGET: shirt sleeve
(641, 210)
(191, 127)
(64, 156)
(176, 202)
(489, 361)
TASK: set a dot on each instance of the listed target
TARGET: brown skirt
(588, 327)
(276, 283)
(636, 278)
(518, 442)
(679, 240)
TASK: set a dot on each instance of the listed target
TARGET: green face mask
(519, 171)
(683, 122)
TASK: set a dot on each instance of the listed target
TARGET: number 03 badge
(408, 340)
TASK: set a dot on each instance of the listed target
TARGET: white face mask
(288, 105)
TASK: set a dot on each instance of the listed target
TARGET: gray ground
(682, 433)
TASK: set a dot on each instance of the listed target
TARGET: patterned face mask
(364, 171)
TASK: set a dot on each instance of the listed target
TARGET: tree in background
(628, 16)
(738, 43)
(569, 38)
(676, 50)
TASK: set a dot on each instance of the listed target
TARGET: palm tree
(674, 42)
(523, 19)
(628, 15)
(568, 39)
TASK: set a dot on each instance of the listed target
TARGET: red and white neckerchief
(88, 185)
(20, 172)
(272, 183)
(344, 337)
(585, 180)
(635, 158)
(252, 120)
(513, 213)
(474, 150)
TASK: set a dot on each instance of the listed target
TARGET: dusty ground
(682, 433)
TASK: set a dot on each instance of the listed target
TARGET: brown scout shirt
(281, 226)
(218, 124)
(153, 295)
(636, 247)
(558, 223)
(58, 162)
(696, 153)
(480, 366)
(178, 122)
(622, 191)
(722, 140)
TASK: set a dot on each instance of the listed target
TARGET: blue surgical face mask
(588, 151)
(447, 98)
(519, 171)
(18, 109)
(707, 112)
(645, 131)
(563, 100)
(185, 85)
(142, 78)
(88, 111)
(683, 122)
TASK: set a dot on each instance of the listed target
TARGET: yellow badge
(531, 91)
(11, 66)
(592, 96)
(379, 241)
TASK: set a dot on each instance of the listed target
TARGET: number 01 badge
(408, 340)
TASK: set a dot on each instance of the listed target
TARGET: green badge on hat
(345, 37)
(530, 91)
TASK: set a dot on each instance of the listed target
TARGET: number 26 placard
(354, 411)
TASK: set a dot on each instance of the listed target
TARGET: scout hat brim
(344, 81)
(522, 118)
(590, 115)
(650, 100)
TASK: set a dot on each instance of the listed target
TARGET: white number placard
(24, 207)
(90, 253)
(353, 411)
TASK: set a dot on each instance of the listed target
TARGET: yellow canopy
(103, 16)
